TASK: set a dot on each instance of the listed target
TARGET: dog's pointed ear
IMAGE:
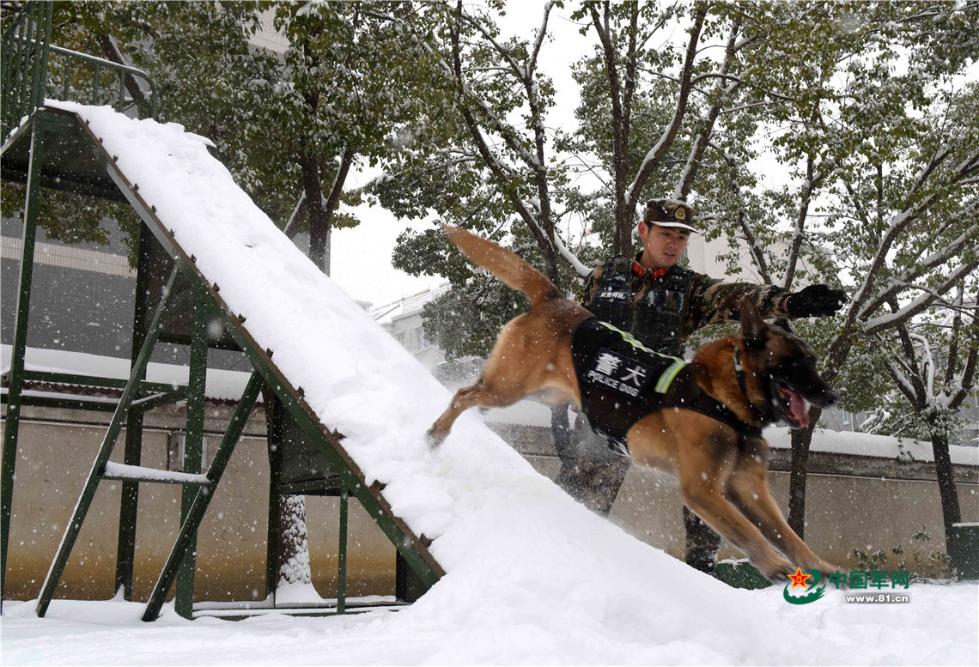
(753, 327)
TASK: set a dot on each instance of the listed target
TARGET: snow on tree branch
(518, 71)
(933, 164)
(899, 373)
(960, 388)
(922, 302)
(900, 282)
(927, 364)
(510, 137)
(541, 33)
(570, 257)
(899, 222)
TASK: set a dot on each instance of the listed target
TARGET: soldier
(661, 304)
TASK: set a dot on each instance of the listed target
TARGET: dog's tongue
(797, 408)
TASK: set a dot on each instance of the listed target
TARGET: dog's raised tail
(502, 263)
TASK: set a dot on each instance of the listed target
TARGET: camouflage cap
(669, 213)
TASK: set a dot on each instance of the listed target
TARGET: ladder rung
(146, 399)
(155, 400)
(128, 473)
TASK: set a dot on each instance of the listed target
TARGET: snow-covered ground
(671, 616)
(531, 576)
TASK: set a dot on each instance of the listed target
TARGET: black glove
(815, 301)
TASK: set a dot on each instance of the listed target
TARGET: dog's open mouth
(795, 409)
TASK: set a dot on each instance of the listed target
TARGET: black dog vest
(621, 381)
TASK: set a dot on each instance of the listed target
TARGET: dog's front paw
(828, 568)
(778, 571)
(434, 438)
(815, 563)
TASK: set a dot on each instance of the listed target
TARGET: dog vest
(658, 320)
(621, 381)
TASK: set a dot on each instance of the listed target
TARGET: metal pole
(342, 557)
(193, 445)
(129, 504)
(19, 349)
(43, 38)
(275, 415)
(295, 212)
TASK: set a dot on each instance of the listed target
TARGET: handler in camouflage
(661, 304)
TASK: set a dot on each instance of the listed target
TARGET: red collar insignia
(650, 274)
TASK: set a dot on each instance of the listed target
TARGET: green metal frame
(18, 350)
(24, 64)
(187, 537)
(29, 60)
(193, 449)
(26, 49)
(123, 92)
(126, 546)
(342, 556)
(275, 441)
(412, 549)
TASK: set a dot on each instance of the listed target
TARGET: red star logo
(799, 578)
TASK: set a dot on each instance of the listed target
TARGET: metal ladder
(198, 489)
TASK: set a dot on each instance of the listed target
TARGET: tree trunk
(938, 429)
(319, 219)
(801, 441)
(548, 249)
(560, 427)
(623, 214)
(623, 224)
(293, 542)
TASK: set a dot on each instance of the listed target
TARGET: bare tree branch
(968, 378)
(722, 94)
(656, 153)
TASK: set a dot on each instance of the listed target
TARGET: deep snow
(532, 577)
(461, 621)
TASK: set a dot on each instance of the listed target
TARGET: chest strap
(687, 394)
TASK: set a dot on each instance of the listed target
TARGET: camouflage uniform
(661, 308)
(696, 301)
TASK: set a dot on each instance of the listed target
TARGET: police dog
(723, 473)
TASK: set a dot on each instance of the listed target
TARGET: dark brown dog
(723, 473)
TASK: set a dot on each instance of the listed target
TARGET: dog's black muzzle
(821, 396)
(791, 396)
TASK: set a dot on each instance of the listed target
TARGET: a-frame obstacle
(58, 148)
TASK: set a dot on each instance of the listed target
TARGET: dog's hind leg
(478, 394)
(748, 489)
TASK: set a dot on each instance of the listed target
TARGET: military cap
(669, 213)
